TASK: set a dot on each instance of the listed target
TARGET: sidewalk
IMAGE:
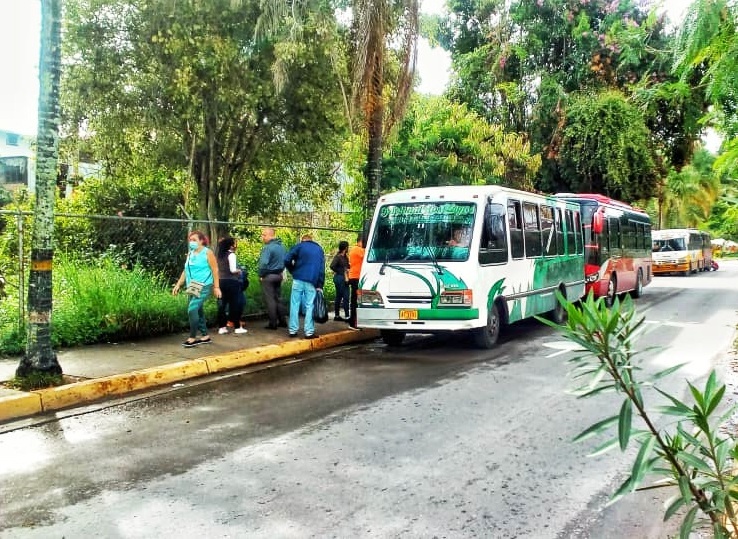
(119, 368)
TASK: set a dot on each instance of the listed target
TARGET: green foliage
(443, 143)
(605, 148)
(35, 380)
(197, 94)
(522, 64)
(690, 455)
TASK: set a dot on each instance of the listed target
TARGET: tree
(197, 86)
(606, 148)
(521, 63)
(377, 24)
(443, 143)
(687, 196)
(40, 356)
(707, 50)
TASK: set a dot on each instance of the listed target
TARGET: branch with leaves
(693, 457)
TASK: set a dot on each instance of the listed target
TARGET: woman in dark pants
(231, 304)
(340, 268)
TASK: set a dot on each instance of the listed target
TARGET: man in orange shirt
(356, 257)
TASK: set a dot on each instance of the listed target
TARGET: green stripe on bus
(448, 314)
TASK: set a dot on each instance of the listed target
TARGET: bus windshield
(427, 231)
(667, 245)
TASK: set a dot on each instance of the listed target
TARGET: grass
(35, 380)
(106, 303)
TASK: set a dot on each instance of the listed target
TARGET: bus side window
(533, 247)
(578, 234)
(515, 222)
(571, 246)
(559, 232)
(548, 230)
(614, 235)
(493, 247)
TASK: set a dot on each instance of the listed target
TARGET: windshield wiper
(438, 267)
(385, 263)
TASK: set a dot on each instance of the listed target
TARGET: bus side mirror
(598, 220)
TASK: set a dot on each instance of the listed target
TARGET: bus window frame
(532, 231)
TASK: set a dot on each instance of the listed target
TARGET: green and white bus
(468, 258)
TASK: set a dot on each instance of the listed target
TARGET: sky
(20, 22)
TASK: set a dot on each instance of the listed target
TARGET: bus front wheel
(486, 336)
(558, 315)
(392, 337)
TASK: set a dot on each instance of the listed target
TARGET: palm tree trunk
(375, 130)
(40, 356)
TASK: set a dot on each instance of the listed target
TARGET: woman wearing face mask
(201, 268)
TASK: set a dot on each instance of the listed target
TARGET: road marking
(671, 324)
(561, 347)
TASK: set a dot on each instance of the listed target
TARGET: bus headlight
(460, 298)
(369, 298)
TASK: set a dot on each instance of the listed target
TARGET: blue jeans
(303, 296)
(196, 313)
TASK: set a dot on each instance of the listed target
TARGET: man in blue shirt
(306, 262)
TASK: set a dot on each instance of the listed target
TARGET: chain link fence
(151, 248)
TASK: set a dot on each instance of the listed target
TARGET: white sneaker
(222, 331)
(241, 331)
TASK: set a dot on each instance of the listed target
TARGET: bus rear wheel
(486, 336)
(558, 314)
(612, 292)
(392, 337)
(638, 290)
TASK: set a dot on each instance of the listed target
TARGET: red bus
(617, 246)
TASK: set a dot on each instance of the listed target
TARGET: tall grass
(104, 302)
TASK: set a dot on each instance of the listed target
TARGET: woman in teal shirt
(201, 267)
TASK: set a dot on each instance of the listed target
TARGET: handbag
(320, 309)
(193, 289)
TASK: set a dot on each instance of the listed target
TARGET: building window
(14, 170)
(11, 139)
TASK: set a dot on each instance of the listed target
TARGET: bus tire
(612, 291)
(486, 336)
(638, 290)
(392, 337)
(559, 315)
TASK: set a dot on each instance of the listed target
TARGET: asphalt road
(434, 439)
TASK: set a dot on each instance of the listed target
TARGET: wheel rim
(493, 324)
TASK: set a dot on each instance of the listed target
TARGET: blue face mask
(194, 245)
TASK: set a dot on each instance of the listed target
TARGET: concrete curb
(55, 398)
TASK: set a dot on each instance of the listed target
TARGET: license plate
(408, 315)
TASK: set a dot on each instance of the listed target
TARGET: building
(18, 165)
(17, 160)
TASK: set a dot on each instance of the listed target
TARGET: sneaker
(190, 343)
(223, 331)
(354, 328)
(204, 340)
(240, 331)
(293, 335)
(313, 336)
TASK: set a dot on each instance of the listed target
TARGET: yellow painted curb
(55, 398)
(270, 352)
(22, 404)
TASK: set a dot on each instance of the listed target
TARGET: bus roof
(457, 193)
(601, 199)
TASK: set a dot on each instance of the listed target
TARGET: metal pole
(21, 274)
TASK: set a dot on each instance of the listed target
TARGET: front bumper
(425, 321)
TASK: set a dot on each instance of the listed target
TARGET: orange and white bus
(681, 250)
(617, 246)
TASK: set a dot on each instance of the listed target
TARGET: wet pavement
(434, 438)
